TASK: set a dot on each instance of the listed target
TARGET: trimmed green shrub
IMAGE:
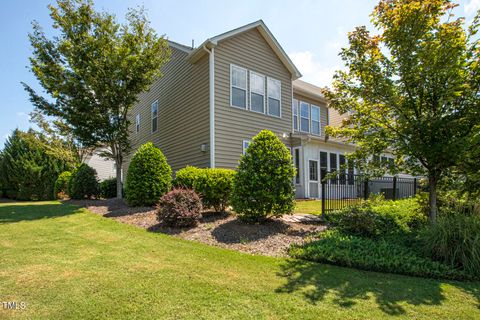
(180, 208)
(263, 186)
(333, 247)
(455, 240)
(214, 185)
(186, 177)
(375, 218)
(83, 183)
(108, 188)
(149, 176)
(61, 184)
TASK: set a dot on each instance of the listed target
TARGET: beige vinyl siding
(336, 118)
(183, 113)
(233, 125)
(323, 111)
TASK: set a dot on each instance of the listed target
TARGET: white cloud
(472, 7)
(312, 70)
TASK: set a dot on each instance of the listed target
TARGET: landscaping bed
(272, 238)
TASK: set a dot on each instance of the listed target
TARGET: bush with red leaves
(180, 208)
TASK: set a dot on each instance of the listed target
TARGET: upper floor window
(155, 116)
(245, 145)
(295, 114)
(257, 92)
(274, 92)
(315, 113)
(238, 80)
(137, 123)
(304, 117)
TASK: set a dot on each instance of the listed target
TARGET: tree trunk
(118, 165)
(432, 180)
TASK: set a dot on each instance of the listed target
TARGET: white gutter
(211, 68)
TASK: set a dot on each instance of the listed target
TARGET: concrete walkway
(302, 218)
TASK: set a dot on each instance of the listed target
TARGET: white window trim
(268, 97)
(152, 117)
(137, 123)
(319, 120)
(264, 94)
(318, 168)
(243, 145)
(302, 117)
(246, 87)
(299, 165)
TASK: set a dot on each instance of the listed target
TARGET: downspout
(211, 68)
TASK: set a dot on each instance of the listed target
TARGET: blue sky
(311, 32)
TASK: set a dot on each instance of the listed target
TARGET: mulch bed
(225, 230)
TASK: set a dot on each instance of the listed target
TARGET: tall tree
(93, 71)
(412, 89)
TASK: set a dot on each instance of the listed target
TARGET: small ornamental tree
(61, 184)
(83, 183)
(263, 186)
(149, 176)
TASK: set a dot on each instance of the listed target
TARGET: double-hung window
(274, 90)
(323, 164)
(342, 163)
(315, 116)
(295, 114)
(155, 116)
(245, 145)
(304, 117)
(238, 81)
(296, 159)
(137, 123)
(257, 92)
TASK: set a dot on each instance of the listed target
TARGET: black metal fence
(342, 189)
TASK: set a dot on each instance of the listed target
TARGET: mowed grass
(68, 263)
(315, 206)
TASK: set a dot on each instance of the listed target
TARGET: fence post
(365, 189)
(323, 200)
(414, 186)
(394, 195)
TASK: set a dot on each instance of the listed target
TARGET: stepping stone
(302, 218)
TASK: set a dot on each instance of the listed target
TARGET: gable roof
(264, 31)
(309, 90)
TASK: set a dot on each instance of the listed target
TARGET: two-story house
(211, 100)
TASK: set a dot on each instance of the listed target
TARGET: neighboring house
(211, 100)
(105, 167)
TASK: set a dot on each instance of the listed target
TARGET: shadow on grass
(348, 286)
(34, 211)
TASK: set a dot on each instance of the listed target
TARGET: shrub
(108, 188)
(263, 186)
(213, 185)
(31, 164)
(375, 218)
(186, 177)
(61, 184)
(455, 240)
(83, 183)
(149, 176)
(333, 247)
(180, 208)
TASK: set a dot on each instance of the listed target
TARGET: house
(104, 167)
(211, 100)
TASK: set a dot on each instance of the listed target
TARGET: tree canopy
(92, 71)
(412, 89)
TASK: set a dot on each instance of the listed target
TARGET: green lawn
(66, 263)
(315, 206)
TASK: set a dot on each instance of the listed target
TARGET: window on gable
(295, 114)
(155, 116)
(315, 115)
(245, 145)
(304, 117)
(137, 123)
(274, 93)
(257, 92)
(238, 80)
